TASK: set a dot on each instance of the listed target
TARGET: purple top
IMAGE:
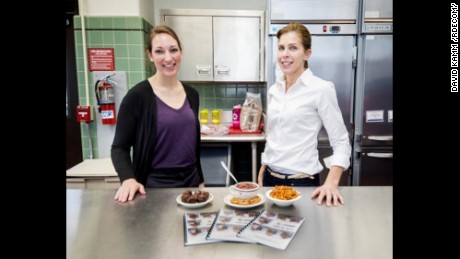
(176, 136)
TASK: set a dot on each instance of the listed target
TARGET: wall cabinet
(219, 45)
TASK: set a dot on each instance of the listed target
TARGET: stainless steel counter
(151, 226)
(253, 138)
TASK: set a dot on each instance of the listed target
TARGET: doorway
(73, 133)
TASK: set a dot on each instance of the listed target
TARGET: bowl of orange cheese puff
(283, 196)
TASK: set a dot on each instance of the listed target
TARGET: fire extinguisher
(105, 96)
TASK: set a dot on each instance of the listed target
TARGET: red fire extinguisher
(105, 96)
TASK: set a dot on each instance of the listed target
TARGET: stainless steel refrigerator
(334, 28)
(373, 141)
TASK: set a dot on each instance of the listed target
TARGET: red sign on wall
(101, 59)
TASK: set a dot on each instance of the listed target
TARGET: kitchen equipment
(373, 141)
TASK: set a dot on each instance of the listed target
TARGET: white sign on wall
(374, 116)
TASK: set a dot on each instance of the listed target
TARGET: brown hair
(303, 33)
(162, 29)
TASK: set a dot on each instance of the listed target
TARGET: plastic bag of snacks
(214, 130)
(251, 113)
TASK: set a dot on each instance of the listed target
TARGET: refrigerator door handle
(380, 155)
(352, 92)
(381, 138)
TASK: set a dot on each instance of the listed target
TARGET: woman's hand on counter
(128, 190)
(329, 190)
(329, 193)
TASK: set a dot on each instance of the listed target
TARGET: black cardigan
(136, 127)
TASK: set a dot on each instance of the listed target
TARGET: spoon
(228, 171)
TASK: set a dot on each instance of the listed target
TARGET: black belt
(289, 176)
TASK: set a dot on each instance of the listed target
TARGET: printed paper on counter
(196, 227)
(272, 229)
(229, 222)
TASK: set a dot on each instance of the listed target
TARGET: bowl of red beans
(244, 190)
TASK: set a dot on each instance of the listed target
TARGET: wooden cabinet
(219, 45)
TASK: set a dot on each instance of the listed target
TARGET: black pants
(173, 177)
(270, 180)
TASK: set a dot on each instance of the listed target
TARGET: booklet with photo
(196, 227)
(228, 223)
(272, 229)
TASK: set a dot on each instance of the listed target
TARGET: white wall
(150, 9)
(208, 4)
(143, 8)
(110, 7)
(147, 11)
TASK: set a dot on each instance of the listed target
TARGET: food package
(214, 130)
(251, 113)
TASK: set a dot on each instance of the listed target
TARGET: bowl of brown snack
(194, 199)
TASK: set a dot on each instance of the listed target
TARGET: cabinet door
(376, 167)
(378, 90)
(332, 60)
(374, 9)
(195, 34)
(211, 155)
(236, 48)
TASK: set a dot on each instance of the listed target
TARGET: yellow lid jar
(215, 117)
(204, 117)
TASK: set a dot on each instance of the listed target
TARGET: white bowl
(282, 203)
(194, 205)
(244, 193)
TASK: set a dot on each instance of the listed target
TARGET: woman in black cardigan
(158, 118)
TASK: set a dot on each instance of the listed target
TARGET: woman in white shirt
(299, 104)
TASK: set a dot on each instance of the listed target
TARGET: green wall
(128, 37)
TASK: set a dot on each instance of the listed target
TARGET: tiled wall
(218, 95)
(128, 37)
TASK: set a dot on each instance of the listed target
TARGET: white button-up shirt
(294, 119)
